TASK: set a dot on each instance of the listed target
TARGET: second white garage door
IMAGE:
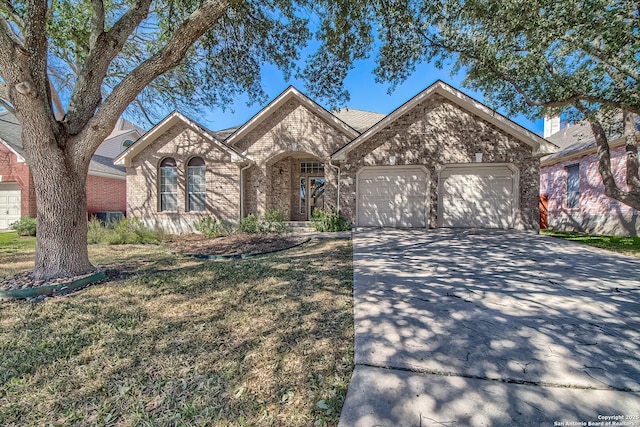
(392, 196)
(477, 196)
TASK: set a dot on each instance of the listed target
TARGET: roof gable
(158, 130)
(539, 145)
(290, 93)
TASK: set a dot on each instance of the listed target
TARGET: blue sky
(366, 94)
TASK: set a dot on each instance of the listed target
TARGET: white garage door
(479, 197)
(9, 205)
(392, 197)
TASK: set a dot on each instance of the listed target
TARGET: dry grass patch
(184, 342)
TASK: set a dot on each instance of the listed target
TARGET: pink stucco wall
(596, 212)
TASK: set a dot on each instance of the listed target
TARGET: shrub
(329, 220)
(132, 230)
(273, 222)
(126, 231)
(249, 224)
(96, 231)
(25, 226)
(209, 226)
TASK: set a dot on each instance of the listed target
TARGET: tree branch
(187, 33)
(97, 22)
(631, 148)
(12, 12)
(592, 50)
(611, 188)
(58, 110)
(86, 95)
(35, 31)
(10, 43)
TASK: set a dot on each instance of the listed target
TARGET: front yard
(621, 244)
(179, 341)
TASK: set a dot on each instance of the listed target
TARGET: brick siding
(13, 171)
(106, 194)
(436, 133)
(181, 143)
(596, 213)
(103, 194)
(271, 144)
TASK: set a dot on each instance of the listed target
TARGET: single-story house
(442, 159)
(571, 188)
(106, 183)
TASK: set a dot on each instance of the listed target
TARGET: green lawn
(623, 245)
(266, 341)
(11, 242)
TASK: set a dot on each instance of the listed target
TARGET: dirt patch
(234, 244)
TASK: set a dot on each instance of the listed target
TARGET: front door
(311, 194)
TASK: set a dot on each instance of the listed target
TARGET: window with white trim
(311, 167)
(196, 185)
(168, 185)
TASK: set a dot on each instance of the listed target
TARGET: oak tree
(579, 58)
(70, 68)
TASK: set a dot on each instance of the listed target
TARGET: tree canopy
(223, 62)
(70, 68)
(578, 58)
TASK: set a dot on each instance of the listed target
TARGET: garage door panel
(9, 205)
(478, 199)
(392, 197)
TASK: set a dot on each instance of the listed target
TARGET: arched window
(168, 185)
(196, 185)
(126, 144)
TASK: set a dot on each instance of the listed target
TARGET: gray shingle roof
(225, 133)
(578, 137)
(360, 120)
(11, 134)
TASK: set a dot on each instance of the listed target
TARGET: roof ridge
(358, 109)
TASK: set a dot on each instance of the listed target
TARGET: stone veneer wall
(292, 131)
(182, 143)
(435, 133)
(596, 213)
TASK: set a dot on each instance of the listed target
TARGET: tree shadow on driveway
(509, 307)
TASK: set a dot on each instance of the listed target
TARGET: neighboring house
(123, 136)
(440, 160)
(106, 184)
(572, 188)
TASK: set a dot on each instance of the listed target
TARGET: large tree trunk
(60, 183)
(629, 197)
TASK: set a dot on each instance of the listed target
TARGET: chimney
(551, 126)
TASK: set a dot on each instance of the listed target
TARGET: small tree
(535, 57)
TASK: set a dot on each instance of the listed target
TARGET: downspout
(337, 168)
(242, 189)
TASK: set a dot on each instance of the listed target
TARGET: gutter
(546, 161)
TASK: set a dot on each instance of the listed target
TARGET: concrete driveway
(492, 328)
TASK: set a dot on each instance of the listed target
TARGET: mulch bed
(191, 244)
(234, 244)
